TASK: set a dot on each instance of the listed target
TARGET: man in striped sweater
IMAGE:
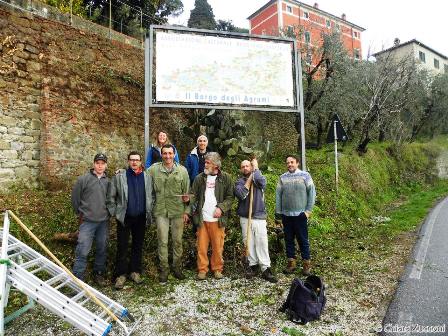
(294, 198)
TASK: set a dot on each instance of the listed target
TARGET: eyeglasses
(134, 160)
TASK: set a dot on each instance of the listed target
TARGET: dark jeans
(296, 227)
(136, 227)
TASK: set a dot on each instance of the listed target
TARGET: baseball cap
(100, 156)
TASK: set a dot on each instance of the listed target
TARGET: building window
(436, 63)
(445, 66)
(290, 31)
(355, 34)
(307, 37)
(308, 58)
(328, 23)
(356, 54)
(306, 15)
(288, 9)
(338, 27)
(421, 56)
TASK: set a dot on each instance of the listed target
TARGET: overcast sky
(383, 20)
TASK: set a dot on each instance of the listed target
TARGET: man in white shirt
(213, 197)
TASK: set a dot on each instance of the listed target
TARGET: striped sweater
(295, 193)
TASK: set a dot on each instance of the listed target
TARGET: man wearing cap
(130, 201)
(213, 196)
(171, 186)
(258, 235)
(89, 203)
(195, 161)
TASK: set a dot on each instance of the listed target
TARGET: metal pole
(148, 41)
(141, 25)
(71, 12)
(110, 19)
(336, 154)
(299, 94)
(3, 270)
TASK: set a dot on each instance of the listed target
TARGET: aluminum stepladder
(51, 286)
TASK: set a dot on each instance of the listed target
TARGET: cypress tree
(202, 16)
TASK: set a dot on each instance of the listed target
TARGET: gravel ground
(244, 307)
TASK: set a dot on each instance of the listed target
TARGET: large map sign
(222, 70)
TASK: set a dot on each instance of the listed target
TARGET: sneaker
(268, 276)
(218, 275)
(119, 282)
(202, 276)
(136, 277)
(177, 273)
(100, 280)
(163, 276)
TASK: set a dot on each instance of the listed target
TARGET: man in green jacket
(213, 196)
(171, 187)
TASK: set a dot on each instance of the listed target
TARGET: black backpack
(306, 300)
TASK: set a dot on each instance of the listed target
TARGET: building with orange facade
(307, 22)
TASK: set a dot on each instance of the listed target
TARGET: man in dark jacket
(258, 237)
(195, 161)
(89, 203)
(213, 195)
(130, 201)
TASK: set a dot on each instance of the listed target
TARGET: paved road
(420, 305)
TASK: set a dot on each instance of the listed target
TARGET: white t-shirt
(210, 200)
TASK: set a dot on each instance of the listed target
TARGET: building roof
(405, 44)
(301, 4)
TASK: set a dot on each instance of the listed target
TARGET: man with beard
(258, 236)
(213, 195)
(294, 201)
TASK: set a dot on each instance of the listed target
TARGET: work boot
(291, 267)
(119, 282)
(218, 275)
(99, 279)
(163, 276)
(177, 273)
(306, 267)
(136, 277)
(268, 276)
(202, 276)
(251, 271)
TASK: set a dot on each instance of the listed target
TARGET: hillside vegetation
(360, 237)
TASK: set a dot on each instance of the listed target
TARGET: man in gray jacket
(89, 203)
(294, 201)
(258, 235)
(130, 201)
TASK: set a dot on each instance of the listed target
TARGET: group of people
(175, 195)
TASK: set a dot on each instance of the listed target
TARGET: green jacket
(117, 196)
(223, 194)
(167, 187)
